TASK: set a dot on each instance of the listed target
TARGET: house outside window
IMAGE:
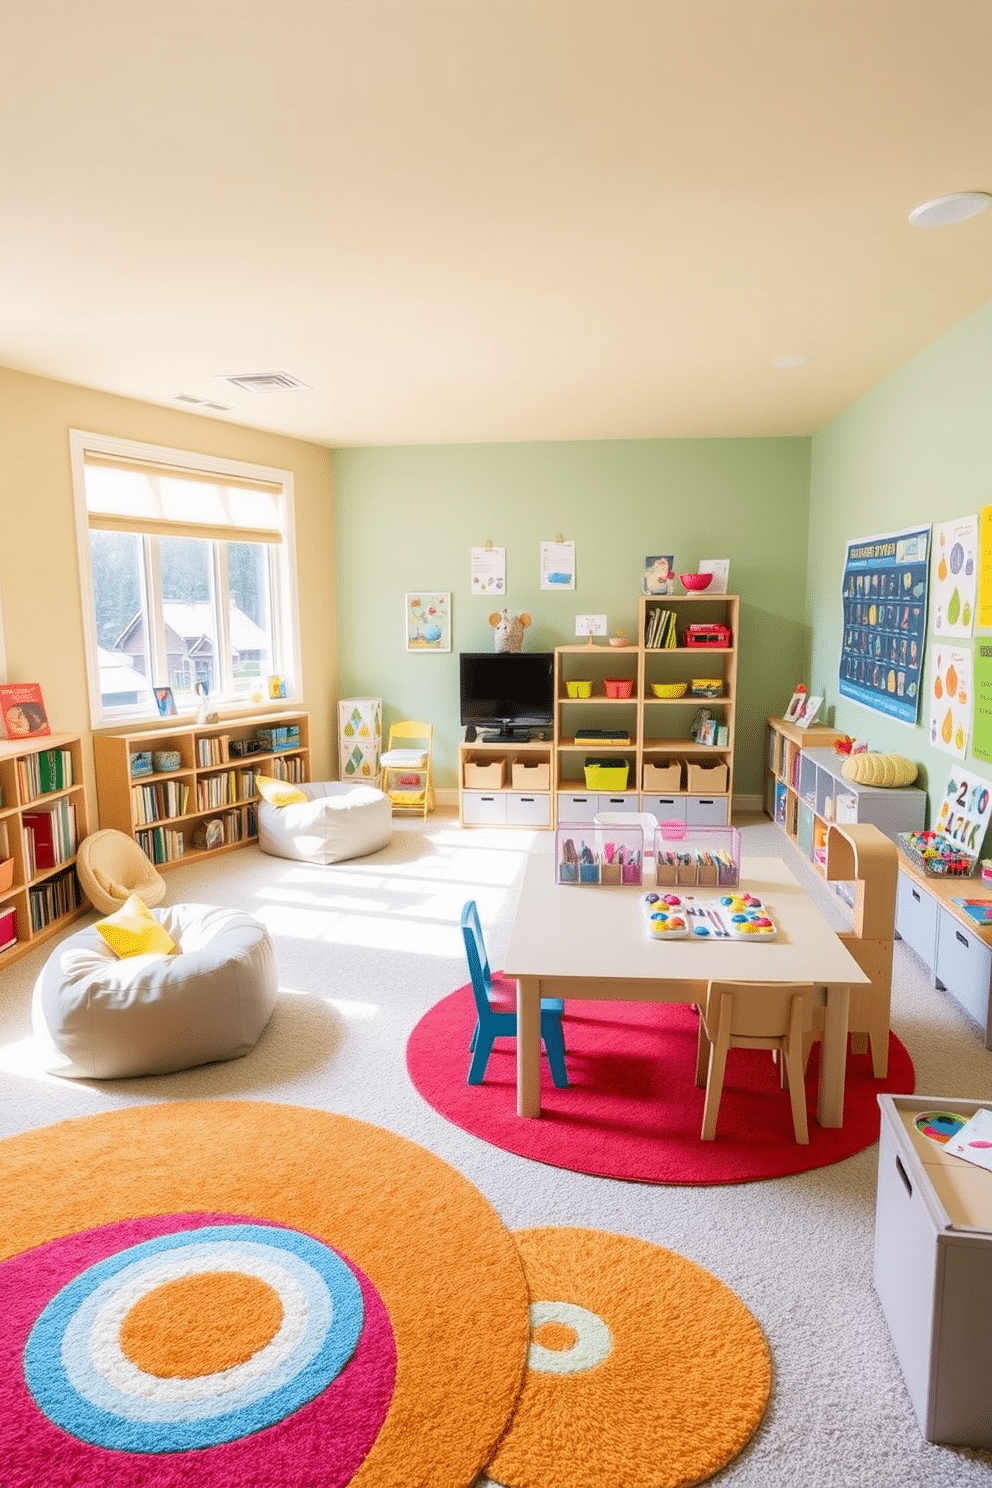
(187, 567)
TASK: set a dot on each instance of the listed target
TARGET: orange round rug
(210, 1293)
(644, 1370)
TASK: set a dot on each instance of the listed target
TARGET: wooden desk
(590, 942)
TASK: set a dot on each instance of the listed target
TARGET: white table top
(585, 930)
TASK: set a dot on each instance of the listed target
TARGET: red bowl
(695, 581)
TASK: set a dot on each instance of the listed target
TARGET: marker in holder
(587, 854)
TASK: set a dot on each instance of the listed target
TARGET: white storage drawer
(484, 808)
(618, 803)
(916, 919)
(585, 805)
(526, 809)
(707, 811)
(665, 808)
(578, 808)
(964, 967)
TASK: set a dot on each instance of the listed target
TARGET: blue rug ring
(82, 1380)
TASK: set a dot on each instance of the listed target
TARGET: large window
(187, 568)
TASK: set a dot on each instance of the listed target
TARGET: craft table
(590, 942)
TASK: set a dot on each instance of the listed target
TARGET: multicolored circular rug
(218, 1293)
(632, 1109)
(237, 1292)
(644, 1370)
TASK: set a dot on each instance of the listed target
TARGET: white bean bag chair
(336, 821)
(99, 1017)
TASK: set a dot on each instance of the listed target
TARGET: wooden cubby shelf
(166, 811)
(43, 818)
(669, 774)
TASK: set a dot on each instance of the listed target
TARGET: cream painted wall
(916, 449)
(39, 582)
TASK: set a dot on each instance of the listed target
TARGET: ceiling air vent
(266, 382)
(201, 402)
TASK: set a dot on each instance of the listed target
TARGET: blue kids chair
(496, 1006)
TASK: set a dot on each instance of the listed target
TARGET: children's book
(22, 711)
(974, 1140)
(980, 910)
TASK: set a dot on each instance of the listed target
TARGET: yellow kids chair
(406, 768)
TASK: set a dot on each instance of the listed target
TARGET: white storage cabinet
(956, 952)
(933, 1271)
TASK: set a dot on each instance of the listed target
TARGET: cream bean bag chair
(111, 867)
(102, 1013)
(322, 821)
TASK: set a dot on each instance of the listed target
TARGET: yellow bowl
(579, 689)
(669, 689)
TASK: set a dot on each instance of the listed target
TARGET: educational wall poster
(885, 617)
(955, 576)
(488, 570)
(964, 811)
(951, 692)
(984, 612)
(981, 744)
(558, 565)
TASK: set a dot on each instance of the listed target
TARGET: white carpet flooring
(364, 948)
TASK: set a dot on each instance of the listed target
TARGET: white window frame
(282, 561)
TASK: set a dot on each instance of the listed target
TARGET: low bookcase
(42, 819)
(163, 786)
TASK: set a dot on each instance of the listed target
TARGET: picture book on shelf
(974, 1140)
(22, 711)
(980, 910)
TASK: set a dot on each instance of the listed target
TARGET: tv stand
(505, 778)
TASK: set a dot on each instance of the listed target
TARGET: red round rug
(632, 1109)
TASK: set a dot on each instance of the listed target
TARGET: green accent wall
(917, 449)
(406, 520)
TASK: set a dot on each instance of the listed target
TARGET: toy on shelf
(868, 768)
(936, 855)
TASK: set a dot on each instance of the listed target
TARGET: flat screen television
(507, 691)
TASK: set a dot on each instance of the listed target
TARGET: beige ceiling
(465, 220)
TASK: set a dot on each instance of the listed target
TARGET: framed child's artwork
(165, 702)
(797, 703)
(811, 707)
(428, 622)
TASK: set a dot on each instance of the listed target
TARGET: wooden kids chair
(864, 856)
(496, 1008)
(406, 768)
(753, 1015)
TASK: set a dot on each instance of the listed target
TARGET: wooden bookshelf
(40, 898)
(165, 811)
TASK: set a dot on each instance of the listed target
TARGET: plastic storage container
(587, 854)
(606, 774)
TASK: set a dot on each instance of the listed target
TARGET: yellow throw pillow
(134, 931)
(278, 792)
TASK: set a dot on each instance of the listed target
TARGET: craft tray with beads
(730, 917)
(936, 855)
